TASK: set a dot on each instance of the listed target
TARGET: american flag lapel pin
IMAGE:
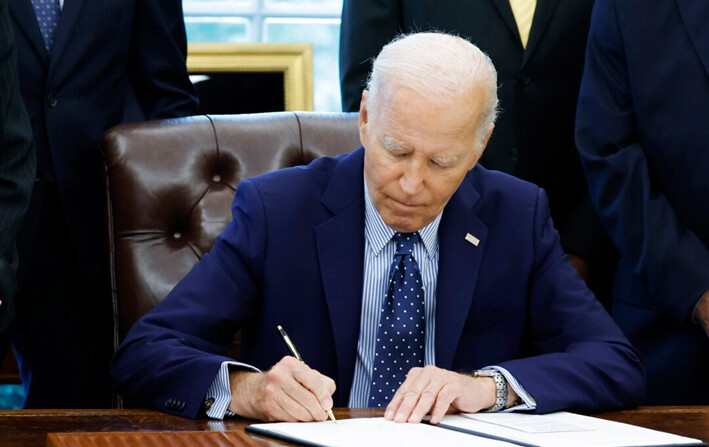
(472, 239)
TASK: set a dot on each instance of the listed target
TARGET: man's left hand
(436, 391)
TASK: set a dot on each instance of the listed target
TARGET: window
(278, 21)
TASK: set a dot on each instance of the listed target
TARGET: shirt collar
(378, 234)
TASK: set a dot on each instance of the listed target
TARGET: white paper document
(562, 430)
(476, 430)
(371, 432)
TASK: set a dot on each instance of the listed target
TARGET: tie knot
(405, 243)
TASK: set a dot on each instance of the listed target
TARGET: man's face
(417, 152)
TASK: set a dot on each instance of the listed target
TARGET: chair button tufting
(217, 178)
(177, 235)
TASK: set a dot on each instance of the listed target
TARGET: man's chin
(402, 224)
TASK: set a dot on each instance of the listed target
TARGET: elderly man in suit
(643, 136)
(17, 168)
(537, 47)
(408, 276)
(84, 67)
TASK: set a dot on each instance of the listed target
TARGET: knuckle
(272, 377)
(443, 398)
(428, 395)
(331, 385)
(429, 369)
(411, 394)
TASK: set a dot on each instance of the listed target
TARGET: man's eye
(438, 164)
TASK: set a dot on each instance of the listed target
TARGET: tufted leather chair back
(170, 185)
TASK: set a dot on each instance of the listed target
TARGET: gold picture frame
(294, 60)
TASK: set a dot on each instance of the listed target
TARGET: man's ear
(487, 137)
(363, 117)
(483, 145)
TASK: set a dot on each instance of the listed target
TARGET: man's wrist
(239, 384)
(501, 389)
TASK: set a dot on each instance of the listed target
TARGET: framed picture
(251, 78)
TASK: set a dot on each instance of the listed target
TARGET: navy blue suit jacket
(113, 61)
(294, 253)
(643, 137)
(17, 167)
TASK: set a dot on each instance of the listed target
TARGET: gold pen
(296, 354)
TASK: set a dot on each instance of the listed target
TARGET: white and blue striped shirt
(379, 249)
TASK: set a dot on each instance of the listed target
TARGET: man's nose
(412, 179)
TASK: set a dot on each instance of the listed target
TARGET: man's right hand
(290, 391)
(701, 314)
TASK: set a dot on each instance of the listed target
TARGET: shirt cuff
(528, 402)
(216, 402)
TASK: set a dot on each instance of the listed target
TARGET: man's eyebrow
(445, 160)
(392, 145)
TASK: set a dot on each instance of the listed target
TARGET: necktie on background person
(47, 12)
(401, 332)
(523, 11)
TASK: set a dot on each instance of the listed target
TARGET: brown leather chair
(170, 185)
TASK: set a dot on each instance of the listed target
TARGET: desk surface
(29, 428)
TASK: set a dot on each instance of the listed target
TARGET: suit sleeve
(367, 25)
(157, 60)
(669, 259)
(579, 359)
(17, 163)
(175, 351)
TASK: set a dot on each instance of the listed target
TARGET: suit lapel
(340, 245)
(26, 20)
(542, 15)
(67, 24)
(503, 6)
(458, 267)
(695, 15)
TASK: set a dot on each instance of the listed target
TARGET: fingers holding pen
(316, 386)
(290, 391)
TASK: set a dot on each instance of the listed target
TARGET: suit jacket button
(52, 100)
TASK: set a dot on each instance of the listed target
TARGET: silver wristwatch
(500, 386)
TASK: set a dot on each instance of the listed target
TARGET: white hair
(436, 65)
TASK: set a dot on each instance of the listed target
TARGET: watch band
(500, 386)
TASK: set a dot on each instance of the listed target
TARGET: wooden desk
(29, 428)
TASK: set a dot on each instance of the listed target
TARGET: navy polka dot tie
(401, 332)
(47, 12)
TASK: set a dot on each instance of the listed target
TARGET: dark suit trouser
(62, 334)
(676, 356)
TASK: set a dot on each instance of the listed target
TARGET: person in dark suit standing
(537, 47)
(643, 136)
(84, 66)
(17, 171)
